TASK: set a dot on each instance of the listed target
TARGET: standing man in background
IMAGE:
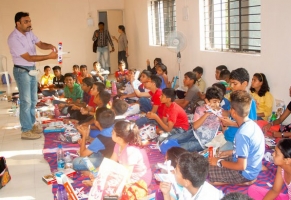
(103, 37)
(22, 43)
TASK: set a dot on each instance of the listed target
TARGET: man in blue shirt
(246, 162)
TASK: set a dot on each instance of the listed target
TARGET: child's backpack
(4, 173)
(3, 79)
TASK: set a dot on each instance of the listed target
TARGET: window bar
(228, 26)
(240, 31)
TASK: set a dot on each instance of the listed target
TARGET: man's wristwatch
(219, 163)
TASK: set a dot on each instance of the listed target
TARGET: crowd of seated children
(101, 145)
(83, 74)
(120, 74)
(128, 94)
(98, 73)
(282, 159)
(191, 173)
(174, 120)
(239, 79)
(200, 83)
(243, 164)
(191, 97)
(144, 77)
(149, 105)
(57, 89)
(76, 70)
(260, 92)
(275, 131)
(225, 103)
(75, 110)
(156, 61)
(161, 70)
(224, 79)
(46, 80)
(72, 91)
(206, 124)
(128, 151)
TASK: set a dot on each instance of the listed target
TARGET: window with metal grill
(232, 25)
(162, 20)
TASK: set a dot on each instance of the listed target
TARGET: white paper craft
(218, 113)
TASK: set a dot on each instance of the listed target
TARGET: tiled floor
(24, 159)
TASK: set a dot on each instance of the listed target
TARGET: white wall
(54, 21)
(65, 21)
(274, 59)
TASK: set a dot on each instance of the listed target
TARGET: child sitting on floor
(76, 70)
(224, 79)
(156, 61)
(72, 92)
(225, 103)
(239, 79)
(74, 111)
(120, 74)
(162, 73)
(218, 71)
(172, 155)
(260, 91)
(46, 81)
(275, 132)
(282, 158)
(149, 105)
(191, 173)
(129, 95)
(192, 95)
(83, 74)
(119, 107)
(102, 144)
(200, 83)
(145, 76)
(206, 123)
(243, 164)
(174, 119)
(102, 100)
(98, 73)
(127, 151)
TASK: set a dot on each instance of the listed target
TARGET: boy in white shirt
(191, 173)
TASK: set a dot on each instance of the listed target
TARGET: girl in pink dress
(282, 158)
(128, 151)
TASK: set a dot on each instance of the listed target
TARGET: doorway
(112, 19)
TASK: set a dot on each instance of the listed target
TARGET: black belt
(103, 46)
(21, 67)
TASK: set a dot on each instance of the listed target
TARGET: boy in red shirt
(174, 119)
(149, 105)
(120, 74)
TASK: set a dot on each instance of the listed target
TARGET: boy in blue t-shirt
(239, 80)
(249, 147)
(102, 145)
